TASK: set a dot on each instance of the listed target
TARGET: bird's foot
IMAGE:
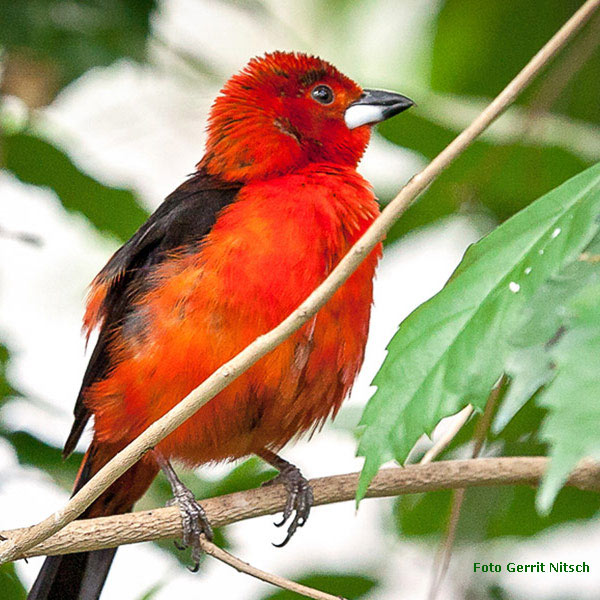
(195, 523)
(193, 518)
(299, 499)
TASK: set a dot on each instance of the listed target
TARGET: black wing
(181, 221)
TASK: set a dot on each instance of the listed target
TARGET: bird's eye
(322, 94)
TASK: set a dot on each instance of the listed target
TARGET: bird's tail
(81, 576)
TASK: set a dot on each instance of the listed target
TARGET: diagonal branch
(165, 523)
(243, 567)
(16, 545)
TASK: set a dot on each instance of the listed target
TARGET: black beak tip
(379, 105)
(391, 102)
(399, 107)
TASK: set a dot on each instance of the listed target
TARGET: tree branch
(243, 567)
(165, 523)
(27, 538)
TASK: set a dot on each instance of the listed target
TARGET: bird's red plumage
(265, 123)
(300, 208)
(275, 204)
(266, 253)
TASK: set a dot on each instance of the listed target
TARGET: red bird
(273, 206)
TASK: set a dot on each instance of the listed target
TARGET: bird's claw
(299, 500)
(194, 522)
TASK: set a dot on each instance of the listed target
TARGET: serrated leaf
(529, 369)
(572, 397)
(451, 350)
(529, 364)
(490, 513)
(562, 324)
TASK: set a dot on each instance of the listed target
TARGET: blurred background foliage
(552, 134)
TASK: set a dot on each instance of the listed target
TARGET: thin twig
(223, 376)
(443, 556)
(165, 523)
(451, 432)
(243, 567)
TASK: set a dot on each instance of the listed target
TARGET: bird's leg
(299, 493)
(193, 517)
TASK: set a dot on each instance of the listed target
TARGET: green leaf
(529, 369)
(73, 37)
(348, 586)
(451, 350)
(36, 161)
(529, 364)
(561, 328)
(10, 584)
(572, 397)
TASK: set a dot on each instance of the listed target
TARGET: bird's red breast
(273, 206)
(275, 203)
(267, 251)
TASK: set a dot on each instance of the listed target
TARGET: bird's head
(285, 110)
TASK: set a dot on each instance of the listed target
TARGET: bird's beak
(375, 106)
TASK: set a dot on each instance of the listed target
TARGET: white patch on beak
(363, 114)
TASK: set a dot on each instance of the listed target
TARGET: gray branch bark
(165, 523)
